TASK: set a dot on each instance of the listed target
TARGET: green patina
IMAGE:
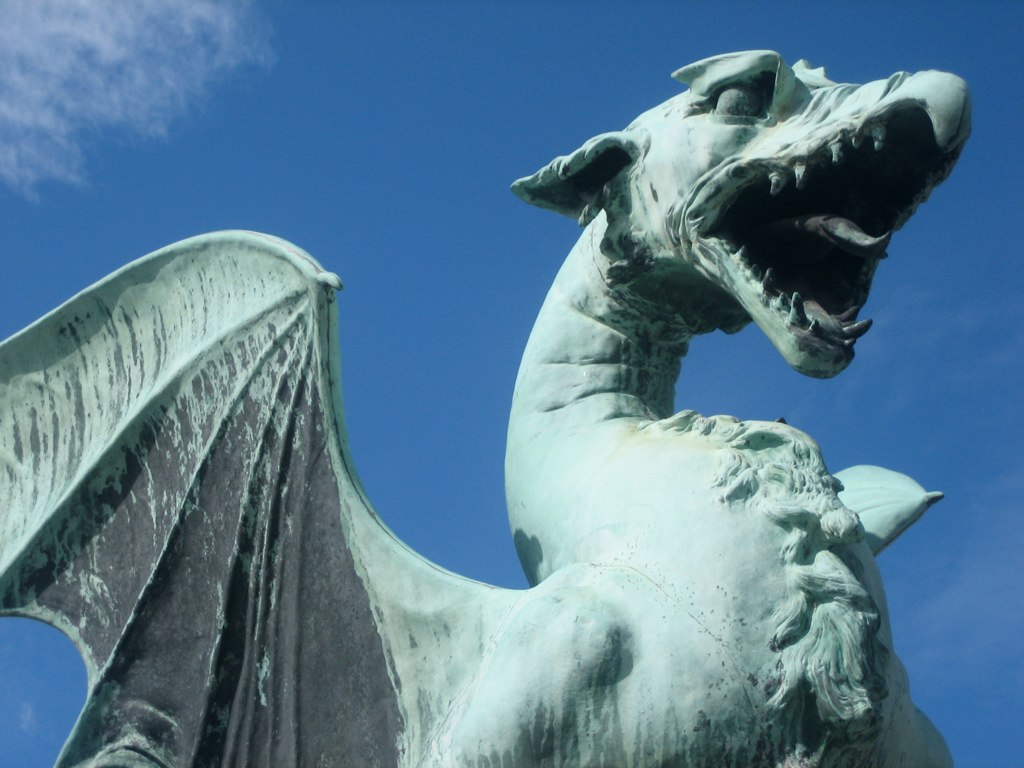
(178, 484)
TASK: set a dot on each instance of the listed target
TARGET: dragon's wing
(178, 499)
(888, 502)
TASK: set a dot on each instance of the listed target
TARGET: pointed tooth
(815, 327)
(778, 181)
(769, 278)
(797, 316)
(588, 214)
(800, 174)
(857, 139)
(794, 318)
(836, 148)
(878, 136)
(856, 330)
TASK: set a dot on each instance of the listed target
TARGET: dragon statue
(180, 500)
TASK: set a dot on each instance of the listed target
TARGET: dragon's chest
(612, 669)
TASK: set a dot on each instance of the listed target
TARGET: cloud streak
(70, 69)
(27, 721)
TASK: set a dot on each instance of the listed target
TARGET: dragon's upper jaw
(795, 237)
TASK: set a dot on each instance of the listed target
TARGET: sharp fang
(815, 328)
(856, 140)
(878, 135)
(836, 147)
(856, 330)
(778, 181)
(769, 278)
(799, 174)
(797, 316)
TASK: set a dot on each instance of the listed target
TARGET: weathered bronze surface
(179, 496)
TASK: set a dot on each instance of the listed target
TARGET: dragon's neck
(596, 354)
(599, 365)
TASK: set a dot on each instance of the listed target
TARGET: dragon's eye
(739, 101)
(745, 99)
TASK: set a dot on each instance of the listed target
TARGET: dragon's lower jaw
(803, 280)
(814, 333)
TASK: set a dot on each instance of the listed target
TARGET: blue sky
(382, 138)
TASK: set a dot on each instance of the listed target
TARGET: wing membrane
(174, 487)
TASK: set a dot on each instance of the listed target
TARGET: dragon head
(764, 192)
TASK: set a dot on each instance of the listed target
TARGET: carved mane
(827, 628)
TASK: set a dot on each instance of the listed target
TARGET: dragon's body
(764, 194)
(180, 499)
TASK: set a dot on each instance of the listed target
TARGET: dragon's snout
(946, 100)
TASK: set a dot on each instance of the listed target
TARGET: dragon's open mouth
(805, 234)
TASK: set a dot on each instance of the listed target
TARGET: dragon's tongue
(833, 230)
(846, 235)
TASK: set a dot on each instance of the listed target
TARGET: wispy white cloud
(72, 68)
(27, 722)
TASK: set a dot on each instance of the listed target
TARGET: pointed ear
(569, 184)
